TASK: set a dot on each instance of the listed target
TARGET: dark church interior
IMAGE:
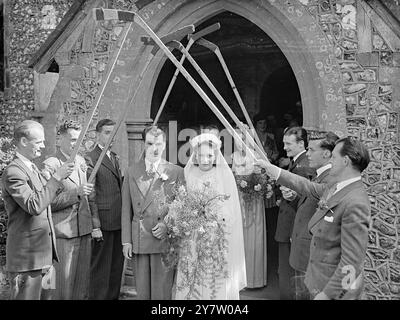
(265, 82)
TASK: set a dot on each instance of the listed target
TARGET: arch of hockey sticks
(171, 40)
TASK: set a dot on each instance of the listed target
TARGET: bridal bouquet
(255, 185)
(196, 238)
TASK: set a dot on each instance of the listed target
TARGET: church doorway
(261, 72)
(264, 80)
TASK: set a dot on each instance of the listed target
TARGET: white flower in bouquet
(243, 184)
(175, 230)
(182, 190)
(257, 187)
(163, 177)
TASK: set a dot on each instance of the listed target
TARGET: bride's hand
(159, 230)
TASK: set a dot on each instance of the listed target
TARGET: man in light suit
(73, 221)
(320, 147)
(143, 230)
(107, 260)
(295, 142)
(340, 224)
(31, 244)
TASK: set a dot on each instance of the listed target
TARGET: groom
(143, 230)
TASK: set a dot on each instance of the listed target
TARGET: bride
(207, 165)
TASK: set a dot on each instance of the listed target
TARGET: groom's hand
(159, 230)
(127, 250)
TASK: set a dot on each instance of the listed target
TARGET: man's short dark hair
(300, 134)
(104, 122)
(328, 139)
(155, 131)
(69, 124)
(22, 129)
(258, 117)
(211, 127)
(356, 151)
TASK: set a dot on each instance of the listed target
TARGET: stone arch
(273, 21)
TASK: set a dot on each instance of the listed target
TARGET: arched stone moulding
(296, 33)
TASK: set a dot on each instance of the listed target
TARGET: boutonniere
(163, 177)
(323, 205)
(84, 167)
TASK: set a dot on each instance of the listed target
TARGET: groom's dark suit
(140, 213)
(340, 237)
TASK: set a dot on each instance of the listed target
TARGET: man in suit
(31, 244)
(143, 229)
(340, 224)
(73, 221)
(107, 261)
(295, 143)
(320, 147)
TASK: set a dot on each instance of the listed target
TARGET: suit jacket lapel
(32, 176)
(107, 162)
(299, 159)
(295, 163)
(153, 186)
(332, 202)
(139, 176)
(115, 162)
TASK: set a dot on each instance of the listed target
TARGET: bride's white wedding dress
(222, 181)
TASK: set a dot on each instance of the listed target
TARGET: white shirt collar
(25, 160)
(108, 151)
(323, 169)
(65, 155)
(298, 155)
(148, 164)
(345, 183)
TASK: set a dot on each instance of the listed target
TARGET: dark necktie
(291, 164)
